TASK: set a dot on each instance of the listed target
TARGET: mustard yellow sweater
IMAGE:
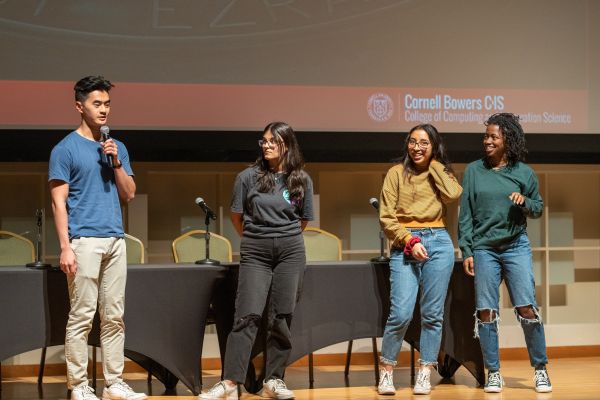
(415, 203)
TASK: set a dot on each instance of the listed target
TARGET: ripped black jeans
(275, 264)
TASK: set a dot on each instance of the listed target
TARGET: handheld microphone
(202, 204)
(104, 130)
(374, 202)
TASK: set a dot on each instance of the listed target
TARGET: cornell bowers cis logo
(380, 107)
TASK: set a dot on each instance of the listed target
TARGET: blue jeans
(433, 277)
(513, 263)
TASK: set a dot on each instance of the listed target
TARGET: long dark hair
(438, 151)
(513, 135)
(292, 162)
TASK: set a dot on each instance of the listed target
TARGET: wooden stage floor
(572, 379)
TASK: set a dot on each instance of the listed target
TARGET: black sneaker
(542, 381)
(495, 383)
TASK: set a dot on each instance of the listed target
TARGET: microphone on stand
(374, 202)
(104, 131)
(38, 264)
(209, 214)
(202, 204)
(382, 258)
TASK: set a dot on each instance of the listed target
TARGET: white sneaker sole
(267, 394)
(421, 391)
(386, 392)
(229, 397)
(138, 397)
(545, 389)
(492, 390)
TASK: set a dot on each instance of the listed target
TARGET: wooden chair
(15, 249)
(321, 245)
(190, 247)
(135, 250)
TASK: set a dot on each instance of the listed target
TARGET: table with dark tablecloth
(343, 301)
(23, 313)
(166, 308)
(165, 315)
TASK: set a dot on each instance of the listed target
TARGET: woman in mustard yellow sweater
(412, 214)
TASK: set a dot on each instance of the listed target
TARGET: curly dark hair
(86, 85)
(513, 136)
(438, 151)
(292, 162)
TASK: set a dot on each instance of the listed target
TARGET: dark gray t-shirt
(269, 214)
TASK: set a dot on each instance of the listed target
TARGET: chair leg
(150, 377)
(375, 360)
(94, 354)
(200, 378)
(311, 373)
(42, 366)
(348, 358)
(412, 365)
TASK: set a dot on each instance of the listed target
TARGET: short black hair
(86, 85)
(513, 136)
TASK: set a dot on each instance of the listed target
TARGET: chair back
(135, 250)
(321, 245)
(191, 247)
(15, 249)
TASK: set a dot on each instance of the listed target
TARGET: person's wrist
(408, 247)
(118, 164)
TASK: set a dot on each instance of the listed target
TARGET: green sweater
(488, 218)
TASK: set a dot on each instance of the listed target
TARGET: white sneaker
(423, 384)
(386, 382)
(276, 389)
(542, 381)
(83, 393)
(494, 382)
(121, 391)
(220, 390)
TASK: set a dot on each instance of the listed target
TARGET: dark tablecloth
(165, 315)
(343, 301)
(166, 308)
(23, 316)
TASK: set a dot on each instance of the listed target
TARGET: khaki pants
(99, 281)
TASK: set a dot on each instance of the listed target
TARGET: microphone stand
(38, 264)
(382, 258)
(207, 260)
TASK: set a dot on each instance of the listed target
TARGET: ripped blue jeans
(513, 263)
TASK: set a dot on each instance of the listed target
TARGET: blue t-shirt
(93, 205)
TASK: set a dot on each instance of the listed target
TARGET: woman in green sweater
(499, 193)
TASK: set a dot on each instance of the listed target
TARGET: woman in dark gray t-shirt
(271, 205)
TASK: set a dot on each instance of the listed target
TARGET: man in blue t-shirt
(89, 176)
